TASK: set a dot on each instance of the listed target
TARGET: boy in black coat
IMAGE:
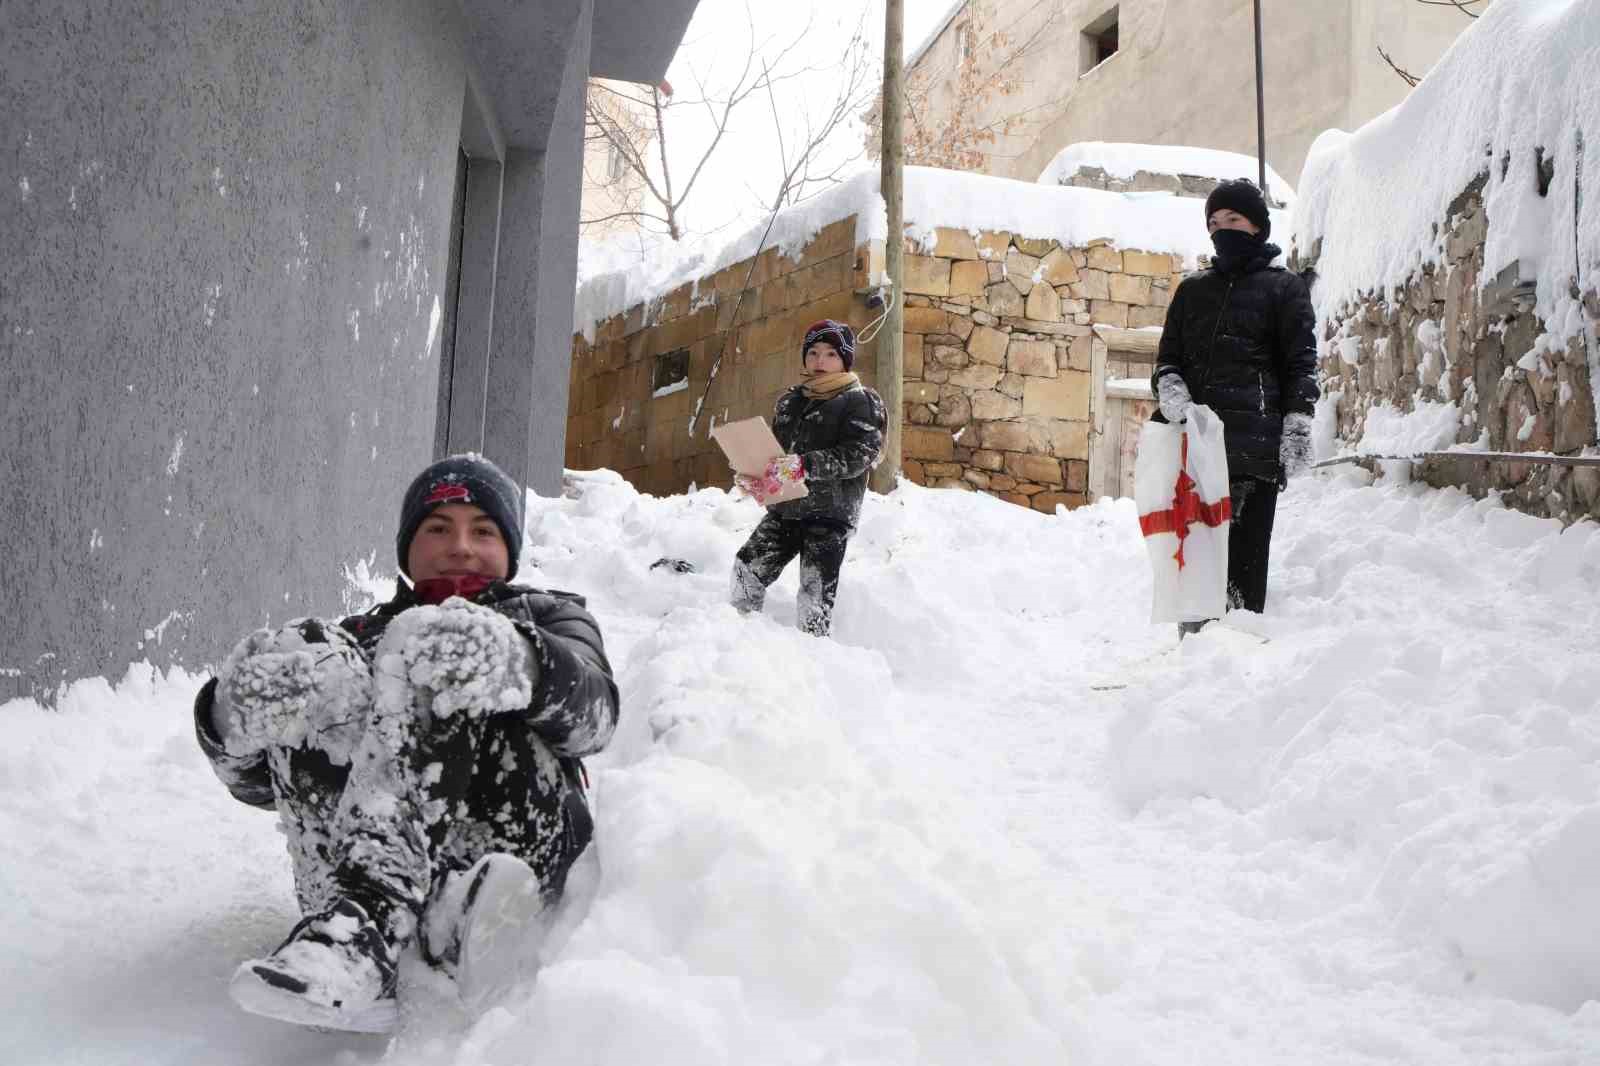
(1241, 339)
(832, 428)
(422, 758)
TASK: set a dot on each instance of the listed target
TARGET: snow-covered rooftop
(1123, 160)
(1149, 221)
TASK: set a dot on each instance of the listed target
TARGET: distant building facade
(612, 189)
(1034, 78)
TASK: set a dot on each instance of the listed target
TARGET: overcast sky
(744, 172)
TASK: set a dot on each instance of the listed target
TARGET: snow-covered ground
(998, 818)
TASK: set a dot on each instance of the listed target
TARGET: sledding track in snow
(945, 836)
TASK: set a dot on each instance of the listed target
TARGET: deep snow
(998, 818)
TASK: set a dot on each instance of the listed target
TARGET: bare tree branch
(1459, 5)
(956, 104)
(1407, 76)
(625, 122)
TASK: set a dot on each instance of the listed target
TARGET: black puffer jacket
(1244, 341)
(573, 710)
(839, 440)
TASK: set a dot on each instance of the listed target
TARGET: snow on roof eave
(934, 198)
(1123, 159)
(927, 42)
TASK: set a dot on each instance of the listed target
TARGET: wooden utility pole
(891, 338)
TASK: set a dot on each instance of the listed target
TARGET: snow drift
(998, 818)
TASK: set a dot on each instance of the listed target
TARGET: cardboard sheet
(750, 446)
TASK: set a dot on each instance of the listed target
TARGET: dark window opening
(1098, 42)
(671, 371)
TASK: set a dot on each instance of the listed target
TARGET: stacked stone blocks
(999, 345)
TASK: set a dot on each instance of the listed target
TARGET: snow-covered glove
(460, 657)
(1294, 451)
(305, 685)
(1173, 396)
(784, 470)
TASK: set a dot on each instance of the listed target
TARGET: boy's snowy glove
(1173, 396)
(784, 470)
(307, 684)
(1294, 451)
(467, 658)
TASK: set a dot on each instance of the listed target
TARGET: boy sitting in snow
(832, 427)
(423, 759)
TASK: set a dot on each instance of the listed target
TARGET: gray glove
(461, 657)
(1173, 396)
(1294, 451)
(305, 685)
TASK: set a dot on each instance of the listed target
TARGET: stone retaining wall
(1444, 339)
(999, 349)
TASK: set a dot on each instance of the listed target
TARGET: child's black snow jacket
(573, 710)
(839, 440)
(1244, 342)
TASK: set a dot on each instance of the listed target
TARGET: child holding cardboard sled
(831, 428)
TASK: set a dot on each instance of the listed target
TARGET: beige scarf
(827, 386)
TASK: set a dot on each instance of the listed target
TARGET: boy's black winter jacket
(573, 711)
(839, 440)
(1244, 342)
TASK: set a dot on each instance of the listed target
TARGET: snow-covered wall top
(1515, 94)
(1126, 160)
(1148, 221)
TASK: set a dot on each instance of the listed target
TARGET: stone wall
(999, 353)
(998, 358)
(1443, 338)
(616, 420)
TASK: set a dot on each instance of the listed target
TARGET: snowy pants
(821, 546)
(1255, 504)
(423, 798)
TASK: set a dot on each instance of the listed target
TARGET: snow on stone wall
(1179, 169)
(617, 279)
(1509, 112)
(1456, 244)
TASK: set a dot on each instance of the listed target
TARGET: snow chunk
(1124, 160)
(1429, 426)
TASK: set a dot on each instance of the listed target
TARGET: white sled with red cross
(1180, 484)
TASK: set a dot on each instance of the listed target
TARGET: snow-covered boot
(487, 925)
(335, 971)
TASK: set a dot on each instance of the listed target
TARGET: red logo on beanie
(447, 492)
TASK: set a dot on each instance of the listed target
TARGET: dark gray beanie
(466, 478)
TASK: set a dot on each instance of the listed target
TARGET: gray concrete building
(262, 262)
